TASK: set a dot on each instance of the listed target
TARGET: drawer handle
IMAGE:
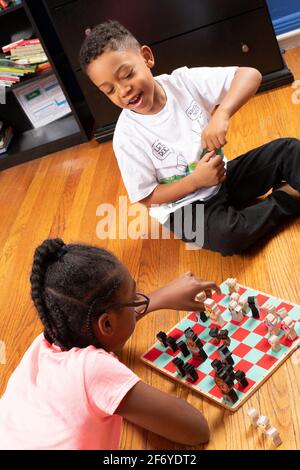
(245, 48)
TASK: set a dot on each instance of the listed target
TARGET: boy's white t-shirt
(162, 147)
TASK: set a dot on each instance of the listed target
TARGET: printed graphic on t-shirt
(177, 166)
(183, 169)
(160, 150)
(194, 111)
(197, 116)
(188, 168)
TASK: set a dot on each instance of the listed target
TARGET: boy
(169, 137)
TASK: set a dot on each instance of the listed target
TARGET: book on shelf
(5, 4)
(43, 66)
(20, 42)
(34, 59)
(10, 73)
(25, 56)
(27, 51)
(11, 66)
(23, 50)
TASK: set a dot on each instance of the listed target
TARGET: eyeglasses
(140, 304)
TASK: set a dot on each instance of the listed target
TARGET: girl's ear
(148, 56)
(105, 324)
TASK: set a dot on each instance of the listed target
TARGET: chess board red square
(266, 361)
(263, 345)
(241, 350)
(244, 365)
(240, 334)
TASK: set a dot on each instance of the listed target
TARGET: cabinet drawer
(150, 21)
(247, 40)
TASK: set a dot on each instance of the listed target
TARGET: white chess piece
(235, 296)
(288, 325)
(272, 433)
(281, 313)
(274, 342)
(232, 285)
(271, 323)
(263, 423)
(253, 414)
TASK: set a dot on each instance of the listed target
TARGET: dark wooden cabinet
(180, 32)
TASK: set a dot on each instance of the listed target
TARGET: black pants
(234, 219)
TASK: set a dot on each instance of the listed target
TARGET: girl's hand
(180, 293)
(214, 134)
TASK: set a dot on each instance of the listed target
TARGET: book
(35, 59)
(9, 78)
(43, 66)
(3, 4)
(16, 69)
(24, 50)
(6, 63)
(20, 42)
(4, 83)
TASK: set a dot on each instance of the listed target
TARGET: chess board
(250, 349)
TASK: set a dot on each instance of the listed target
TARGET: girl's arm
(165, 415)
(179, 294)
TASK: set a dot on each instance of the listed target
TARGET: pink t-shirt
(64, 399)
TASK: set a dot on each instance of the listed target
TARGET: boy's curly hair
(69, 285)
(110, 35)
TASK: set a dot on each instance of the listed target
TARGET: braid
(46, 252)
(68, 284)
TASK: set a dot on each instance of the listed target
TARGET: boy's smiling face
(125, 77)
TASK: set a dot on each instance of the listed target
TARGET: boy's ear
(105, 324)
(148, 56)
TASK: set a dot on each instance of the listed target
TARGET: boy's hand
(210, 170)
(180, 293)
(214, 134)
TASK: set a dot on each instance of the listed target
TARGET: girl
(70, 391)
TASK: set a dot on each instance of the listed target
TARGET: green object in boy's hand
(218, 152)
(192, 166)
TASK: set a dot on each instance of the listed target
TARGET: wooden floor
(59, 196)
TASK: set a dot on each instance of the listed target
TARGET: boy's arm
(244, 85)
(165, 193)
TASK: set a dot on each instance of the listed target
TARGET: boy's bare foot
(287, 188)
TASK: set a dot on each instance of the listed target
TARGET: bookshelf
(29, 143)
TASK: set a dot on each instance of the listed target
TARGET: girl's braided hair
(69, 284)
